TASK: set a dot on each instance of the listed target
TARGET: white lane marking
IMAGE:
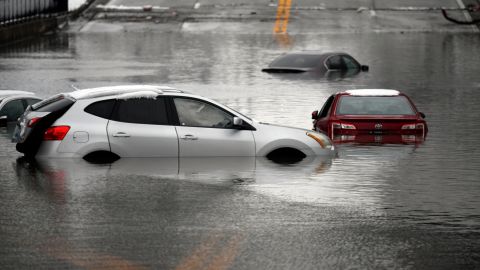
(129, 8)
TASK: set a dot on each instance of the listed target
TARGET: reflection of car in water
(13, 103)
(379, 139)
(153, 121)
(331, 65)
(55, 175)
(371, 116)
(7, 131)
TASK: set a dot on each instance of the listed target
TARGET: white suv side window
(196, 113)
(141, 111)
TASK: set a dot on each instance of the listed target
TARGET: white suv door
(139, 128)
(206, 130)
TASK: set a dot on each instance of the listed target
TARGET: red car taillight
(343, 126)
(414, 126)
(337, 128)
(56, 133)
(32, 121)
(418, 128)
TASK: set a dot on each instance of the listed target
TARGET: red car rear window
(374, 105)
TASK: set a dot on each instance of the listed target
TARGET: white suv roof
(123, 91)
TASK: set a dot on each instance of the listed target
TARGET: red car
(371, 116)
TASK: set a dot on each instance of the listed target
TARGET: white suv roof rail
(122, 91)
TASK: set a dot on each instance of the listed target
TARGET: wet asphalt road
(373, 207)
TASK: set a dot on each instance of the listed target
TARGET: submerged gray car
(153, 121)
(316, 62)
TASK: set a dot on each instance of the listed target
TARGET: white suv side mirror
(237, 121)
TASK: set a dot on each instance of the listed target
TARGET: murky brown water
(380, 206)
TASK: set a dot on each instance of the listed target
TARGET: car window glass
(350, 63)
(334, 62)
(12, 109)
(326, 107)
(51, 105)
(354, 105)
(141, 111)
(196, 113)
(297, 60)
(31, 101)
(101, 108)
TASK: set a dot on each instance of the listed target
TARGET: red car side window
(326, 107)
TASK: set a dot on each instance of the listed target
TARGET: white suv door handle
(121, 134)
(189, 137)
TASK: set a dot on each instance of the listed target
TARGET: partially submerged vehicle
(13, 103)
(371, 116)
(315, 61)
(153, 121)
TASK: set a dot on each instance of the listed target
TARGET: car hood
(272, 136)
(282, 126)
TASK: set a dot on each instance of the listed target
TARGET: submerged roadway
(380, 206)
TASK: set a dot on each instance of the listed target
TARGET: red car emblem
(378, 126)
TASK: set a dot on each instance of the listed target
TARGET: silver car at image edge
(153, 121)
(13, 103)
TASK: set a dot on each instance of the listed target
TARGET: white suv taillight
(32, 121)
(56, 133)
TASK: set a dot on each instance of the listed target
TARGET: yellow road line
(87, 259)
(283, 14)
(226, 257)
(212, 255)
(200, 255)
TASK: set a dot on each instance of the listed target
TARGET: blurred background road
(309, 16)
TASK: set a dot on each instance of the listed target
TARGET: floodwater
(373, 206)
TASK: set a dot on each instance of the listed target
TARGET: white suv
(153, 121)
